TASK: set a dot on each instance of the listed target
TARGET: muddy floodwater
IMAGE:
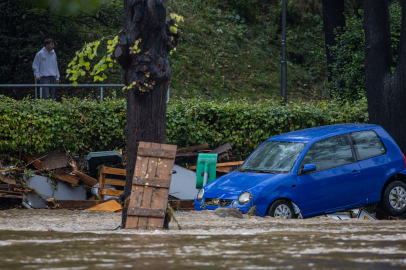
(63, 239)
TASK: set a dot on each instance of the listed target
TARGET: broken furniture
(150, 189)
(96, 159)
(103, 181)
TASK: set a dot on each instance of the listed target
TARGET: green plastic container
(206, 163)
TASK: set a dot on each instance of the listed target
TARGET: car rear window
(329, 153)
(367, 144)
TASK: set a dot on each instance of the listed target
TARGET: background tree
(142, 52)
(334, 22)
(385, 85)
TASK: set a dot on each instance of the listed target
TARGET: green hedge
(44, 126)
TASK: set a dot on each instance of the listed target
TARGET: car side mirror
(309, 168)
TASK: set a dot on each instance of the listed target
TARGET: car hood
(234, 183)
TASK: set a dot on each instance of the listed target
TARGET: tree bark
(333, 17)
(385, 91)
(148, 71)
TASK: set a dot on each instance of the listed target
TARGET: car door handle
(355, 172)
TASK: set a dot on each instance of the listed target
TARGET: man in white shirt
(45, 68)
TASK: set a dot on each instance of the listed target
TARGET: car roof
(317, 133)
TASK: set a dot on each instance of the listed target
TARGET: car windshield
(273, 157)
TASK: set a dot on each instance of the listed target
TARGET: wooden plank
(63, 176)
(146, 212)
(160, 200)
(187, 155)
(223, 169)
(141, 167)
(221, 149)
(10, 192)
(182, 205)
(8, 170)
(54, 160)
(225, 164)
(193, 148)
(152, 182)
(7, 186)
(86, 179)
(102, 177)
(156, 153)
(37, 164)
(7, 179)
(114, 182)
(79, 204)
(111, 192)
(111, 206)
(115, 171)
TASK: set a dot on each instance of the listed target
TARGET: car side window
(329, 153)
(367, 144)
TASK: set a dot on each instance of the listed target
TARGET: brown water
(81, 240)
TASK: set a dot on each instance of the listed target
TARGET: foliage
(90, 51)
(70, 6)
(44, 126)
(223, 55)
(349, 70)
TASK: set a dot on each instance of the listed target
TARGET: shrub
(46, 125)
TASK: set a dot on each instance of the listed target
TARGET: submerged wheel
(281, 208)
(394, 199)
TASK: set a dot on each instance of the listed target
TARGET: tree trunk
(142, 52)
(385, 91)
(333, 17)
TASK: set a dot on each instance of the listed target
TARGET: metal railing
(67, 85)
(61, 85)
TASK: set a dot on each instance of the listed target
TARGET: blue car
(318, 170)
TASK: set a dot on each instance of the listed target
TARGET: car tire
(394, 199)
(281, 208)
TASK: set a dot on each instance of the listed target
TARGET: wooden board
(152, 182)
(221, 149)
(225, 164)
(193, 148)
(86, 179)
(37, 164)
(7, 186)
(182, 204)
(79, 204)
(110, 192)
(111, 206)
(157, 153)
(63, 176)
(115, 171)
(155, 161)
(7, 179)
(54, 160)
(114, 182)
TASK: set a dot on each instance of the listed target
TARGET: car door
(337, 180)
(372, 158)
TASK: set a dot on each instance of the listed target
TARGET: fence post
(40, 93)
(35, 89)
(101, 94)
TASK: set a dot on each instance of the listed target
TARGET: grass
(222, 55)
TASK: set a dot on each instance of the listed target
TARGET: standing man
(46, 70)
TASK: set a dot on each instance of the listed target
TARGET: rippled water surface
(62, 239)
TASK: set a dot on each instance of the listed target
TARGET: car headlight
(244, 197)
(200, 195)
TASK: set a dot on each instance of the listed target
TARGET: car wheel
(394, 199)
(281, 208)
